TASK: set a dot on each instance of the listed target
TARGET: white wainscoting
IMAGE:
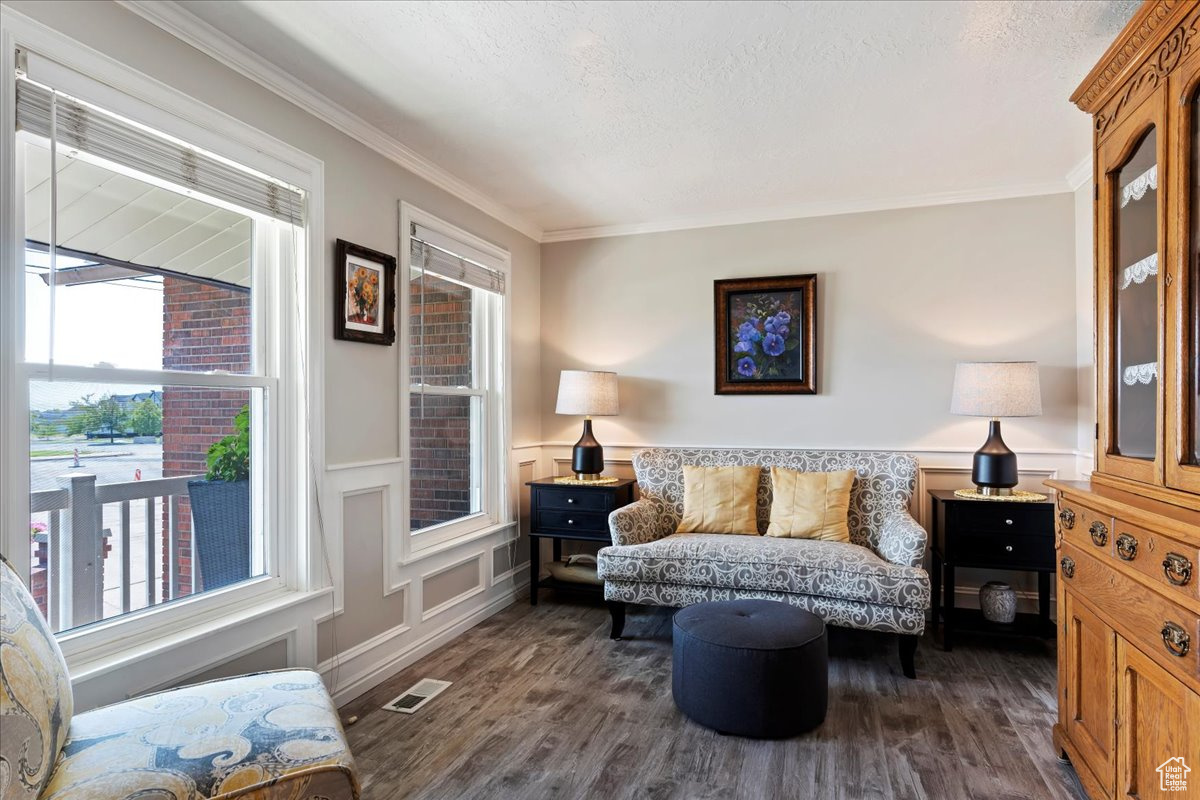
(360, 666)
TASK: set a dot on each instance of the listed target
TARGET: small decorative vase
(998, 602)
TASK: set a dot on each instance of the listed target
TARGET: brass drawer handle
(1099, 532)
(1066, 518)
(1068, 566)
(1127, 546)
(1176, 639)
(1177, 569)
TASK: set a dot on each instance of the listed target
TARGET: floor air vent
(420, 694)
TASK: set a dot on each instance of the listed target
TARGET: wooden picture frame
(765, 332)
(364, 294)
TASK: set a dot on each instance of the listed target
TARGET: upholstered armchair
(269, 736)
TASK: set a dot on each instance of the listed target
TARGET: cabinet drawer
(1170, 563)
(1003, 550)
(1166, 632)
(986, 516)
(573, 499)
(1085, 527)
(578, 521)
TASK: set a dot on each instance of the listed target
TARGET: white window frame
(296, 362)
(490, 339)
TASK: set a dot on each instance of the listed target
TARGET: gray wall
(903, 295)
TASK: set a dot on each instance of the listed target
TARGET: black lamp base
(587, 457)
(994, 468)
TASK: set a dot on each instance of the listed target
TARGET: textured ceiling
(591, 114)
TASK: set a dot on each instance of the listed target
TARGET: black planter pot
(221, 530)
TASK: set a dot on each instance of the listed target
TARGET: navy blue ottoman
(756, 668)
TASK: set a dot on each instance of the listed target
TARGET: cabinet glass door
(1135, 303)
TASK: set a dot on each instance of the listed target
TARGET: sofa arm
(637, 523)
(902, 540)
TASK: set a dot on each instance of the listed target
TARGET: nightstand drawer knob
(1008, 522)
(1008, 548)
(570, 522)
(571, 501)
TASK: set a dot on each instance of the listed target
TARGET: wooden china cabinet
(1129, 538)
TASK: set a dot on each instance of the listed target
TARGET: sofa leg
(908, 648)
(617, 610)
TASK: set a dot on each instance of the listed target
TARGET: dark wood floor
(544, 705)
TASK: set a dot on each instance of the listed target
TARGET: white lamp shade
(997, 389)
(592, 394)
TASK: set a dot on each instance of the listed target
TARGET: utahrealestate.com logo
(1173, 775)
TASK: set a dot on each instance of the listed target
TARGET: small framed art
(766, 335)
(364, 292)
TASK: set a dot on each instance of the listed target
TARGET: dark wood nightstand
(570, 511)
(990, 534)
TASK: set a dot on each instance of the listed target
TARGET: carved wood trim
(1177, 43)
(1143, 32)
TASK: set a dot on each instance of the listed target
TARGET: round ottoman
(750, 667)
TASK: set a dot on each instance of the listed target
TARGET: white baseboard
(366, 665)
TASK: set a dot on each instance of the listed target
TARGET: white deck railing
(76, 536)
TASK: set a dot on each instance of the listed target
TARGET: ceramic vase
(998, 602)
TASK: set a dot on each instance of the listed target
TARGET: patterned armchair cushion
(837, 570)
(883, 488)
(270, 736)
(35, 693)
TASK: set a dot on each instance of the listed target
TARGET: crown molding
(193, 31)
(1080, 174)
(804, 210)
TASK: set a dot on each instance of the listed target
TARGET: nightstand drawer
(1001, 551)
(573, 499)
(995, 516)
(585, 521)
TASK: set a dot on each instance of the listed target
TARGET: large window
(456, 431)
(158, 290)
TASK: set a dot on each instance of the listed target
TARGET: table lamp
(996, 389)
(592, 394)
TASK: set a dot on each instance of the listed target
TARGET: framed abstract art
(364, 292)
(766, 335)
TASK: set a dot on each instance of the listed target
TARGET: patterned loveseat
(270, 736)
(875, 581)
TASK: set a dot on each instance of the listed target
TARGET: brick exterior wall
(204, 328)
(439, 426)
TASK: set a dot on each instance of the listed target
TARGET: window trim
(408, 546)
(298, 411)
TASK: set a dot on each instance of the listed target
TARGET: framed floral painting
(766, 335)
(364, 291)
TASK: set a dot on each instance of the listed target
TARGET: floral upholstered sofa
(875, 581)
(270, 736)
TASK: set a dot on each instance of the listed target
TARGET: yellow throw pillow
(810, 505)
(719, 500)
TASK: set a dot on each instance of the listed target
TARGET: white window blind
(458, 266)
(84, 127)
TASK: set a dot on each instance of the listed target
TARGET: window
(455, 429)
(159, 287)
